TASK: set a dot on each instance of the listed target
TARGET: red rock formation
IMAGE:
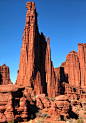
(15, 104)
(5, 75)
(59, 106)
(35, 67)
(82, 60)
(75, 66)
(69, 71)
(37, 84)
(72, 68)
(50, 77)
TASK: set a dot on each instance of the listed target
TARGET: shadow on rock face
(32, 109)
(0, 79)
(72, 114)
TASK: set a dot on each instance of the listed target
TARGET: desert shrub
(84, 112)
(45, 115)
(38, 114)
(80, 121)
(78, 109)
(28, 86)
(70, 121)
(85, 109)
(52, 99)
(20, 84)
(46, 97)
(30, 121)
(31, 116)
(65, 118)
(11, 121)
(39, 120)
(46, 111)
(56, 119)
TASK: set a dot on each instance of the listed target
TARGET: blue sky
(64, 21)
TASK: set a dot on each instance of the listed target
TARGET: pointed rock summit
(35, 67)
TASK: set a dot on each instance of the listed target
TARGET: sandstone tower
(35, 67)
(74, 68)
(4, 75)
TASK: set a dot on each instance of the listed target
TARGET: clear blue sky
(64, 21)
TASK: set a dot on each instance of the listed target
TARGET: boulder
(9, 88)
(61, 98)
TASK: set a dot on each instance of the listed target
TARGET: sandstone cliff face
(82, 60)
(35, 67)
(74, 68)
(4, 75)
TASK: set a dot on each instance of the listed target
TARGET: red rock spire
(35, 67)
(27, 50)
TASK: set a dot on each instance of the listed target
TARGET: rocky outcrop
(15, 104)
(6, 102)
(58, 106)
(35, 68)
(4, 75)
(6, 109)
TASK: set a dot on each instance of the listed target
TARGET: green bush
(56, 119)
(78, 109)
(80, 121)
(85, 109)
(45, 115)
(52, 99)
(11, 121)
(84, 112)
(46, 97)
(38, 114)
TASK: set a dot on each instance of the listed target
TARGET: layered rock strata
(58, 106)
(15, 104)
(4, 75)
